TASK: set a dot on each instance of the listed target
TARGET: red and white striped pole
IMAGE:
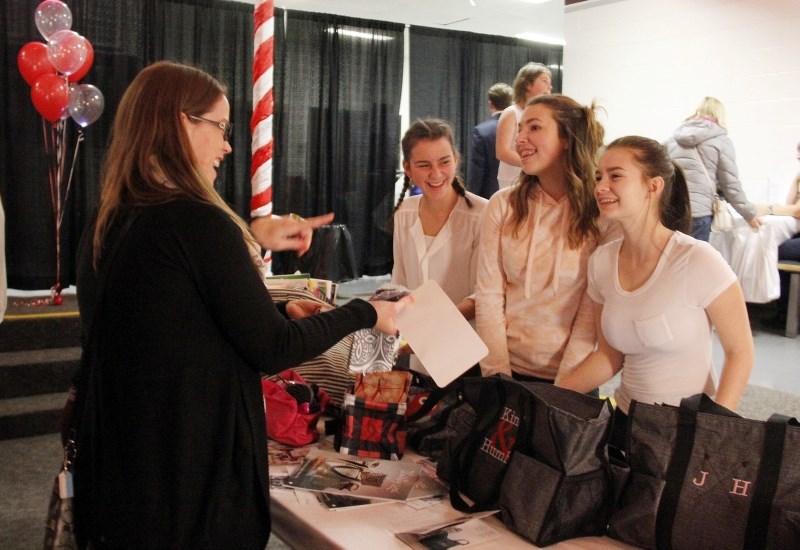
(261, 123)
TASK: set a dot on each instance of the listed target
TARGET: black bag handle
(492, 399)
(679, 464)
(767, 480)
(435, 397)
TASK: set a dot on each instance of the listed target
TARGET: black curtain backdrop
(336, 124)
(337, 88)
(451, 72)
(126, 36)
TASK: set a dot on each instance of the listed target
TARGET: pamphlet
(350, 475)
(465, 531)
(426, 487)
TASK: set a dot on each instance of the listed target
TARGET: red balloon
(33, 63)
(80, 73)
(50, 95)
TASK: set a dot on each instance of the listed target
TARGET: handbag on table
(703, 477)
(373, 416)
(536, 452)
(292, 408)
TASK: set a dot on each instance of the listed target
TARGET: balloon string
(47, 150)
(71, 172)
(61, 133)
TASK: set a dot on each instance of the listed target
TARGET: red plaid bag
(373, 416)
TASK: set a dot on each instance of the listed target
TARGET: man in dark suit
(483, 163)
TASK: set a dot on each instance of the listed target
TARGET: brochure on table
(468, 530)
(342, 474)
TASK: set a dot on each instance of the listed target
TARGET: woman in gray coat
(703, 137)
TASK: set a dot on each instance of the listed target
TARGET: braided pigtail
(461, 190)
(406, 187)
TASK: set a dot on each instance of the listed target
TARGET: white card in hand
(442, 339)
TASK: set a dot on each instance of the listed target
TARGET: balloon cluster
(53, 69)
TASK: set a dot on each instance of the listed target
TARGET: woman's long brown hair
(150, 159)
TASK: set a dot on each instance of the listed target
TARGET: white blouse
(451, 259)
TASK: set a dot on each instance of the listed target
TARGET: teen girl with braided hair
(436, 233)
(532, 309)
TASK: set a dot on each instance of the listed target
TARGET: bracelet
(769, 210)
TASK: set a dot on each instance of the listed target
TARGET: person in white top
(532, 80)
(657, 292)
(435, 234)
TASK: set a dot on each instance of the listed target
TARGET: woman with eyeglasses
(169, 416)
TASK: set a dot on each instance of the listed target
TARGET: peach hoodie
(533, 311)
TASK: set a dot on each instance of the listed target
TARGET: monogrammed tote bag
(702, 477)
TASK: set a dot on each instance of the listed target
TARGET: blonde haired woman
(705, 153)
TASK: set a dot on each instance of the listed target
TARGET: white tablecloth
(753, 254)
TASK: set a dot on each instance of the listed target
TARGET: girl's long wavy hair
(430, 129)
(674, 207)
(579, 128)
(150, 160)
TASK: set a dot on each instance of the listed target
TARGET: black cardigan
(172, 447)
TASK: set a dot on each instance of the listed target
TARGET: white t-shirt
(508, 174)
(661, 327)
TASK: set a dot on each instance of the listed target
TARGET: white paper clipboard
(443, 341)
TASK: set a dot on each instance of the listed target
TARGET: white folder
(443, 341)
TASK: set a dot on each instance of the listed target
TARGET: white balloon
(86, 104)
(52, 16)
(67, 51)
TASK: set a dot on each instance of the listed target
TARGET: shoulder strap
(705, 171)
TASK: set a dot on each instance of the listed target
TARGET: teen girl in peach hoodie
(536, 237)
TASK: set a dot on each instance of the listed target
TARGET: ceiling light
(358, 34)
(541, 38)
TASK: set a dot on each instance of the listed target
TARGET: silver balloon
(86, 104)
(52, 16)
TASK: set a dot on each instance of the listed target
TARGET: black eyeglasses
(226, 127)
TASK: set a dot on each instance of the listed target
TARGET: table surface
(302, 522)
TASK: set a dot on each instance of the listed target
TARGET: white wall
(650, 62)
